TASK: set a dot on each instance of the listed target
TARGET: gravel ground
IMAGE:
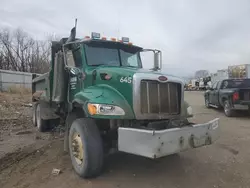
(18, 137)
(223, 164)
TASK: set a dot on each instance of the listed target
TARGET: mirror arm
(157, 58)
(160, 60)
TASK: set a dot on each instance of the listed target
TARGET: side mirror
(74, 71)
(157, 58)
(156, 61)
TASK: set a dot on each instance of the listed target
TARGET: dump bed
(41, 87)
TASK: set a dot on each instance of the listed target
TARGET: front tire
(207, 102)
(228, 111)
(86, 148)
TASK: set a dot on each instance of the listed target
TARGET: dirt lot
(224, 164)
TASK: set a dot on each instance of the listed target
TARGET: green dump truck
(98, 90)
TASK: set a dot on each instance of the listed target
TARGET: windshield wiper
(97, 65)
(130, 66)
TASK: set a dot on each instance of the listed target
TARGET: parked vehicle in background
(186, 87)
(204, 83)
(201, 84)
(209, 85)
(99, 88)
(230, 94)
(219, 75)
(195, 84)
(239, 71)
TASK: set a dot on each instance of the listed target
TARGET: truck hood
(121, 80)
(132, 70)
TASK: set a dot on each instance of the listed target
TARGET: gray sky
(193, 34)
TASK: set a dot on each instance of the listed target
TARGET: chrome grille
(157, 97)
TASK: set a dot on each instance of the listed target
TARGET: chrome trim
(137, 77)
(159, 97)
(169, 101)
(176, 93)
(148, 97)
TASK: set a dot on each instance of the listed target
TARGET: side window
(218, 85)
(70, 59)
(132, 60)
(225, 84)
(77, 57)
(214, 85)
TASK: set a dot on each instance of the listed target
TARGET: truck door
(216, 94)
(212, 93)
(73, 60)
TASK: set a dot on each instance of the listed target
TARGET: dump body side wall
(41, 88)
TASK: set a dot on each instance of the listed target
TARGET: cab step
(214, 106)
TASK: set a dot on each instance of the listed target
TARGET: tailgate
(244, 94)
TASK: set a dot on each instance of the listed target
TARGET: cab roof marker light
(125, 39)
(130, 43)
(95, 35)
(87, 37)
(113, 39)
(104, 38)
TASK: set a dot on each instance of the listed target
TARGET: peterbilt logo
(162, 78)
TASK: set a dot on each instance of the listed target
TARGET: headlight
(189, 111)
(105, 109)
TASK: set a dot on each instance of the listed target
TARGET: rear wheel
(34, 118)
(86, 148)
(228, 111)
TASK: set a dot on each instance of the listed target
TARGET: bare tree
(20, 52)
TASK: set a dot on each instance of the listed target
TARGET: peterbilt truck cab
(98, 90)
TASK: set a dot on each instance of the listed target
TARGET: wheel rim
(206, 102)
(38, 116)
(226, 108)
(77, 148)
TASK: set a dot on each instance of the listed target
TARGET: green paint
(94, 89)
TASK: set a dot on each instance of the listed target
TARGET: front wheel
(207, 102)
(86, 148)
(228, 111)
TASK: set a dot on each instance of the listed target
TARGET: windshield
(237, 83)
(112, 55)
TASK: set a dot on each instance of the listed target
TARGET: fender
(104, 94)
(223, 98)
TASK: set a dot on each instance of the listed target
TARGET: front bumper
(155, 144)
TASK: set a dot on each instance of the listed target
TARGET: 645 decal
(126, 79)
